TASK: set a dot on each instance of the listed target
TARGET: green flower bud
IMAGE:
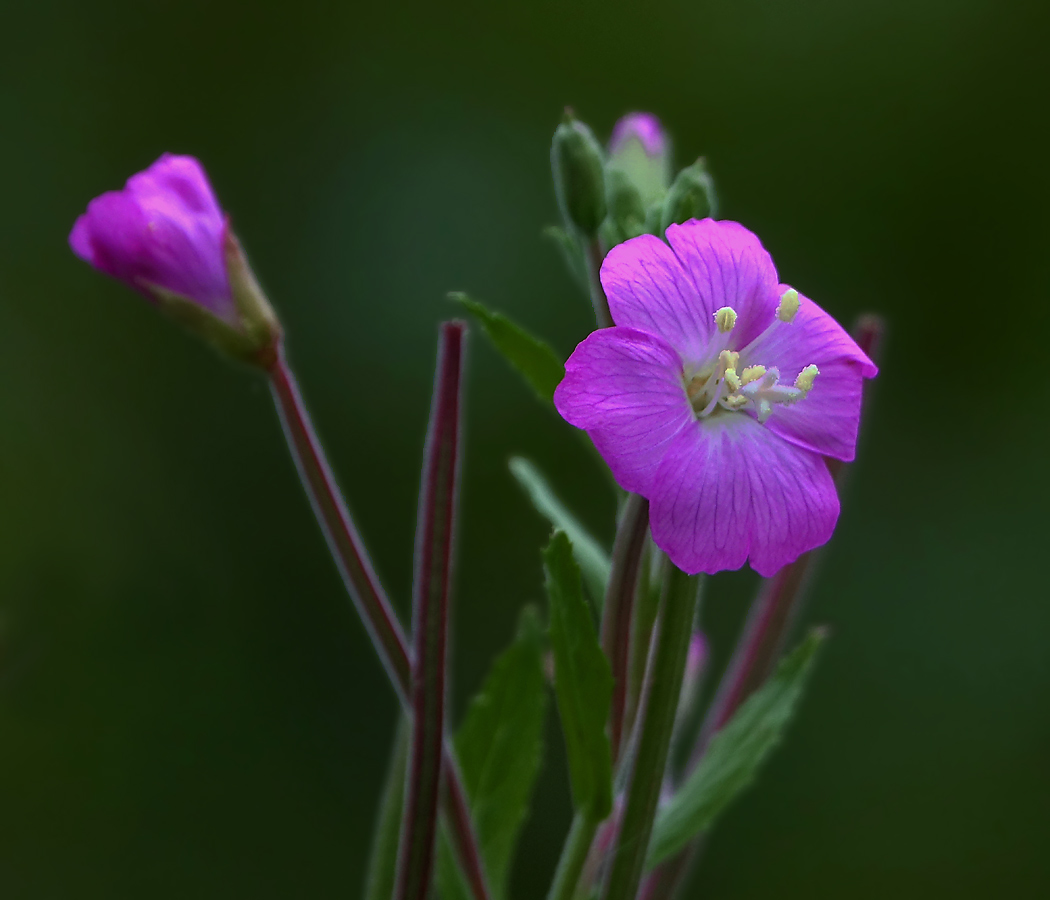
(640, 148)
(626, 212)
(691, 196)
(579, 182)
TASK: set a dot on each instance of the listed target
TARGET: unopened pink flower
(643, 127)
(717, 395)
(166, 236)
(164, 230)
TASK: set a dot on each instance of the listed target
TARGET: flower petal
(648, 289)
(729, 489)
(728, 266)
(164, 229)
(624, 387)
(827, 420)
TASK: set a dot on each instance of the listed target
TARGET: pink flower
(163, 230)
(717, 395)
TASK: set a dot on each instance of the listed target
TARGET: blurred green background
(188, 707)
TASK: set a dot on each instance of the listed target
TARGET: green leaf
(735, 754)
(582, 682)
(382, 866)
(571, 253)
(499, 746)
(530, 356)
(592, 559)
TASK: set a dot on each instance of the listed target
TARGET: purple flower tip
(697, 654)
(717, 395)
(642, 126)
(165, 230)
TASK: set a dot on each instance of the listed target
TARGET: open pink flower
(717, 395)
(164, 230)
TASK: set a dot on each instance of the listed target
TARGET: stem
(345, 544)
(573, 856)
(382, 867)
(435, 530)
(366, 592)
(594, 257)
(656, 721)
(618, 611)
(646, 606)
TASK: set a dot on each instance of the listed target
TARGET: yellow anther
(736, 401)
(725, 318)
(732, 379)
(729, 359)
(752, 373)
(804, 382)
(788, 305)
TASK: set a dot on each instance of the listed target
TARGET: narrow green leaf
(500, 745)
(592, 559)
(532, 358)
(382, 866)
(735, 754)
(571, 253)
(582, 682)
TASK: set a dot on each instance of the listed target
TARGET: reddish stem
(435, 529)
(366, 592)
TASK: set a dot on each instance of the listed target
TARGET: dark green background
(188, 707)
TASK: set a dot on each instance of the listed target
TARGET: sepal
(691, 196)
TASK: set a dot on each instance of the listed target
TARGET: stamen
(804, 382)
(735, 401)
(732, 379)
(729, 359)
(752, 373)
(788, 306)
(725, 318)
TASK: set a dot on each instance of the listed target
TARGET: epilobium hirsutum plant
(723, 402)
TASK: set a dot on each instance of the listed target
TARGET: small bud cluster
(610, 195)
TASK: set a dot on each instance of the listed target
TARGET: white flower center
(721, 384)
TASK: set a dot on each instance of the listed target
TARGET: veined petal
(827, 420)
(624, 387)
(648, 289)
(164, 229)
(728, 266)
(729, 489)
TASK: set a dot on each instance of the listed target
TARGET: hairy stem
(618, 611)
(655, 723)
(594, 256)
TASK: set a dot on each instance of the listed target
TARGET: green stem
(618, 609)
(592, 252)
(656, 722)
(573, 857)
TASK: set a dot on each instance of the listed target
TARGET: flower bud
(165, 236)
(691, 196)
(579, 181)
(626, 212)
(641, 150)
